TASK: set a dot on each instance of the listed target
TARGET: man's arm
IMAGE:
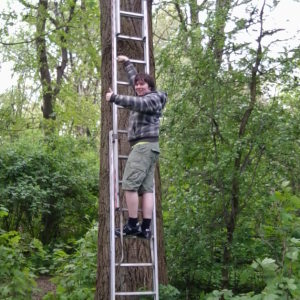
(150, 103)
(131, 72)
(129, 68)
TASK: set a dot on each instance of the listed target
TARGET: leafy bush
(168, 292)
(16, 279)
(76, 274)
(50, 188)
(280, 282)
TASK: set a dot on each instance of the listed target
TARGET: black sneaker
(128, 230)
(145, 234)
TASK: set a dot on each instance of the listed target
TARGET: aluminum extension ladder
(114, 155)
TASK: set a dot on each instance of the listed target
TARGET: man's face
(142, 88)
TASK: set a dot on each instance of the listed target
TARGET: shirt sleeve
(130, 71)
(150, 103)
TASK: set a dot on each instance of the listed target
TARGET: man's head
(143, 84)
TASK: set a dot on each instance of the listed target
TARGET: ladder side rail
(121, 237)
(114, 29)
(115, 25)
(116, 162)
(155, 258)
(112, 217)
(154, 240)
(118, 17)
(145, 34)
(114, 168)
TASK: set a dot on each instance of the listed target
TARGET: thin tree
(50, 89)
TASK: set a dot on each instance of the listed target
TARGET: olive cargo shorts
(139, 170)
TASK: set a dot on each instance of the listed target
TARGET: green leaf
(285, 183)
(293, 254)
(295, 241)
(271, 297)
(3, 213)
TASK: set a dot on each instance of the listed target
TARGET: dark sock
(132, 222)
(146, 224)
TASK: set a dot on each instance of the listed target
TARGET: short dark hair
(145, 78)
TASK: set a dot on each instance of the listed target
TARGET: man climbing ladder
(143, 135)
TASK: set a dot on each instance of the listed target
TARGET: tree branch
(28, 5)
(253, 81)
(64, 53)
(180, 15)
(33, 39)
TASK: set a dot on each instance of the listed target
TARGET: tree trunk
(135, 250)
(194, 12)
(217, 41)
(51, 89)
(41, 49)
(50, 222)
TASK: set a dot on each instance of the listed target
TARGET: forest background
(230, 142)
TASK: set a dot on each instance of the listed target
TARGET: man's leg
(147, 215)
(147, 205)
(132, 201)
(132, 179)
(148, 197)
(131, 227)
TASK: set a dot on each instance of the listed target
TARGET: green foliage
(75, 98)
(16, 279)
(15, 113)
(50, 189)
(38, 259)
(168, 292)
(279, 282)
(49, 186)
(207, 162)
(76, 273)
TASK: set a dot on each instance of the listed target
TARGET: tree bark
(41, 48)
(217, 40)
(194, 12)
(50, 89)
(135, 250)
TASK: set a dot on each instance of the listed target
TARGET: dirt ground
(44, 285)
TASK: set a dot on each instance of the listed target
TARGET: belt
(140, 143)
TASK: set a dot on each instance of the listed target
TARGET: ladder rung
(122, 82)
(134, 265)
(122, 131)
(137, 61)
(123, 156)
(126, 209)
(133, 237)
(135, 293)
(131, 14)
(127, 37)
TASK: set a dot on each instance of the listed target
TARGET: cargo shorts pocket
(155, 153)
(133, 176)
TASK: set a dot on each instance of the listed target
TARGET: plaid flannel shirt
(145, 110)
